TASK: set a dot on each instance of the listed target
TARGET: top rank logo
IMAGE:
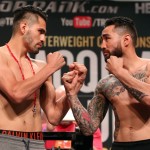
(82, 22)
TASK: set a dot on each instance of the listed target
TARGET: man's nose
(103, 45)
(42, 38)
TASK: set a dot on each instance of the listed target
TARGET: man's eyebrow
(104, 35)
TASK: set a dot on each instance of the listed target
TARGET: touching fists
(74, 79)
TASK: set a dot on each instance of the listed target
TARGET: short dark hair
(21, 12)
(126, 23)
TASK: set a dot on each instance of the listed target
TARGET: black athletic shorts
(137, 145)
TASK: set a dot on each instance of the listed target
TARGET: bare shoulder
(3, 54)
(105, 82)
(147, 64)
(106, 79)
(2, 50)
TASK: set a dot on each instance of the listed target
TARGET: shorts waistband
(30, 135)
(146, 141)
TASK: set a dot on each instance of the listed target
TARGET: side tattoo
(117, 123)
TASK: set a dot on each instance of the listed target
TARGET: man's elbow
(54, 121)
(16, 97)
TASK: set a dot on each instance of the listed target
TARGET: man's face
(111, 43)
(34, 36)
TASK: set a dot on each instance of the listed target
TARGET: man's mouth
(106, 56)
(39, 45)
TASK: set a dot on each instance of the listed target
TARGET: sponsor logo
(31, 135)
(82, 22)
(60, 7)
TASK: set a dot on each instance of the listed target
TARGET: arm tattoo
(89, 120)
(81, 116)
(138, 95)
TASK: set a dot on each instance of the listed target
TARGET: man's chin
(35, 51)
(106, 58)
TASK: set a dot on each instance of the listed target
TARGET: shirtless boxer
(26, 84)
(126, 88)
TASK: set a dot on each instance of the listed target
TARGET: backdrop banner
(74, 28)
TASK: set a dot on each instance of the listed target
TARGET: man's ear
(126, 40)
(23, 26)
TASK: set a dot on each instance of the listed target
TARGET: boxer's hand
(55, 61)
(114, 64)
(81, 69)
(71, 83)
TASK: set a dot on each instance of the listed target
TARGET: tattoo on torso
(111, 87)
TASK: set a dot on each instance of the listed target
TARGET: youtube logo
(82, 22)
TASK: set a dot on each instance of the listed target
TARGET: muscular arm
(53, 102)
(137, 84)
(19, 90)
(90, 119)
(138, 88)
